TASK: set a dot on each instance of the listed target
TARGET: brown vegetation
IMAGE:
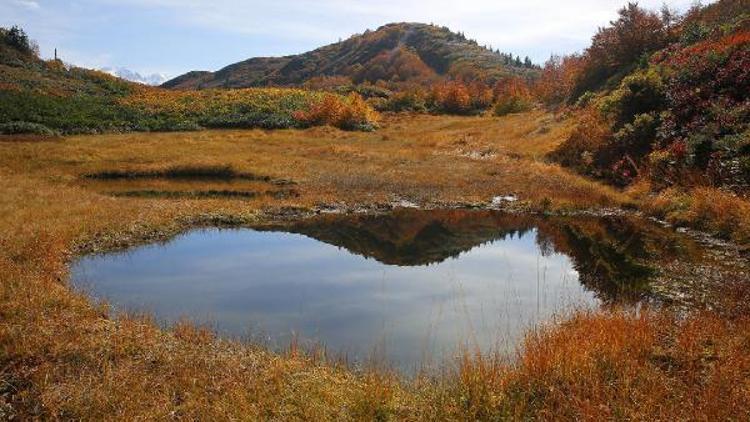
(63, 357)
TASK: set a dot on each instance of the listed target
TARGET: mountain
(49, 97)
(127, 74)
(397, 52)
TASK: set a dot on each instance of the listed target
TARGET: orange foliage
(720, 46)
(452, 97)
(350, 113)
(481, 95)
(556, 81)
(614, 48)
(512, 86)
(580, 149)
(400, 64)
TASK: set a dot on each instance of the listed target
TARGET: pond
(407, 289)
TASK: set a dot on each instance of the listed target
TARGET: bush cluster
(349, 113)
(675, 103)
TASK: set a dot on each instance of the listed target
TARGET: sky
(176, 36)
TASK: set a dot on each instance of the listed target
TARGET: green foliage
(585, 99)
(694, 32)
(511, 105)
(249, 120)
(634, 141)
(74, 100)
(17, 39)
(78, 114)
(160, 111)
(678, 113)
(638, 93)
(13, 128)
(406, 101)
(636, 137)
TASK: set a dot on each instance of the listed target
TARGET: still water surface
(406, 289)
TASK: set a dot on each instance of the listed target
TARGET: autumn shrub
(581, 149)
(721, 213)
(616, 49)
(357, 114)
(716, 211)
(622, 155)
(708, 86)
(452, 98)
(678, 113)
(554, 86)
(512, 95)
(350, 113)
(481, 96)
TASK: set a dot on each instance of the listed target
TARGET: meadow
(63, 356)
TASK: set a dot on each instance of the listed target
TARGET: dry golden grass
(425, 158)
(718, 212)
(63, 357)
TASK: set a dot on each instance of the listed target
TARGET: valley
(62, 201)
(401, 225)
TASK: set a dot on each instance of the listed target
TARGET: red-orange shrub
(451, 97)
(347, 113)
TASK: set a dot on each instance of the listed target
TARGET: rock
(498, 200)
(406, 204)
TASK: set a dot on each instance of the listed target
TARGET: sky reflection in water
(275, 284)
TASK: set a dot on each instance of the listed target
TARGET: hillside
(397, 52)
(661, 99)
(41, 97)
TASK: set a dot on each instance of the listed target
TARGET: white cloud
(509, 25)
(29, 4)
(94, 32)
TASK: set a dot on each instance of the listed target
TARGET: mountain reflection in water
(402, 287)
(614, 256)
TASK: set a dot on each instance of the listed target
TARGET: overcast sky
(174, 36)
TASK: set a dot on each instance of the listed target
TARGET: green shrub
(16, 38)
(13, 128)
(585, 99)
(249, 120)
(636, 138)
(509, 105)
(405, 101)
(639, 93)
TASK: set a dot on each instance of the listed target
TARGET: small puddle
(407, 288)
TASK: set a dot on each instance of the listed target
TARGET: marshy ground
(62, 356)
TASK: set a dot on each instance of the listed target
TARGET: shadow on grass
(205, 194)
(188, 172)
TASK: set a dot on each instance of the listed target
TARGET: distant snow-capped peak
(130, 75)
